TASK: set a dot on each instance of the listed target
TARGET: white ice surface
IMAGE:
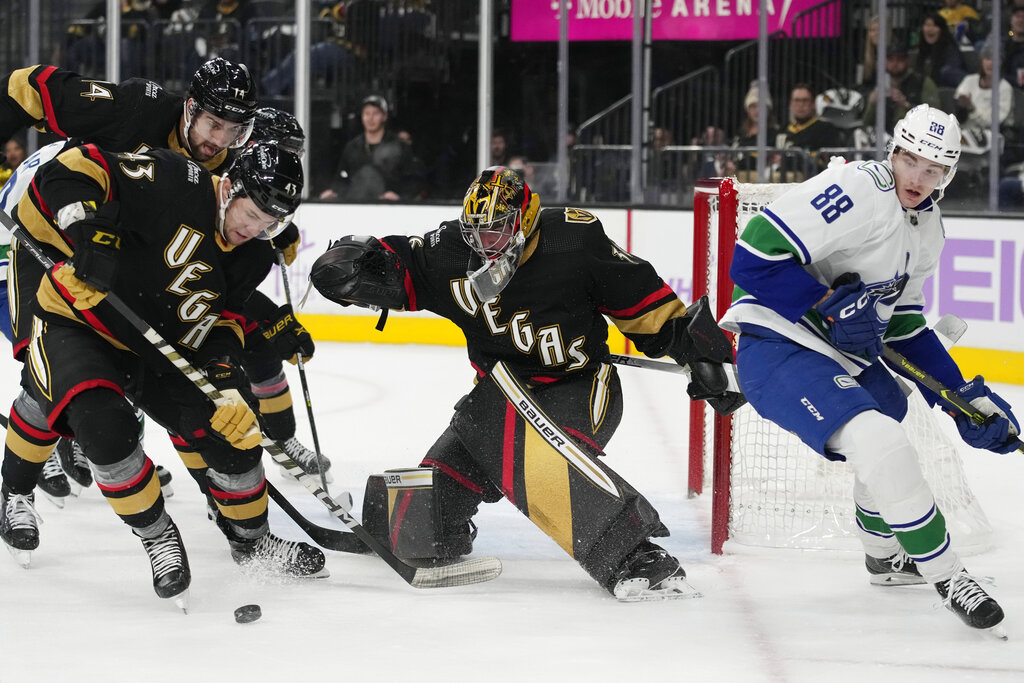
(86, 611)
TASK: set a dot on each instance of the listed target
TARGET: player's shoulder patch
(880, 174)
(579, 216)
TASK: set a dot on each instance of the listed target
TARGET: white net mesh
(783, 494)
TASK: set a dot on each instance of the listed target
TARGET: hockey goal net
(768, 488)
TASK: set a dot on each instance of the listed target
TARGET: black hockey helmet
(275, 125)
(225, 89)
(272, 177)
(497, 207)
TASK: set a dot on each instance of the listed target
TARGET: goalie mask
(498, 215)
(931, 134)
(225, 90)
(272, 177)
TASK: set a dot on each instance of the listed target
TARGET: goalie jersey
(171, 259)
(847, 219)
(549, 321)
(133, 116)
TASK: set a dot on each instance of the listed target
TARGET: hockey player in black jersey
(136, 115)
(532, 290)
(156, 230)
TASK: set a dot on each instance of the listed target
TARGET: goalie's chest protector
(544, 322)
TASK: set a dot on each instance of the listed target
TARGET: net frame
(798, 499)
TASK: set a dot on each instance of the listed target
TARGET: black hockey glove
(698, 342)
(357, 269)
(288, 337)
(288, 242)
(96, 240)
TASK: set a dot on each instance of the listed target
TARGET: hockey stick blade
(457, 574)
(950, 396)
(648, 364)
(331, 539)
(462, 573)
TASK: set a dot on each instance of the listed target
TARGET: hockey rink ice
(86, 610)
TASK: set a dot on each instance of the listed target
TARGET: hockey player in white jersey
(824, 276)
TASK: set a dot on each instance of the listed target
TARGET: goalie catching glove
(998, 432)
(287, 336)
(358, 269)
(233, 418)
(699, 343)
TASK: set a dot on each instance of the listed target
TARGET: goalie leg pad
(402, 508)
(561, 486)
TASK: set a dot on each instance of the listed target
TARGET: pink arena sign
(672, 19)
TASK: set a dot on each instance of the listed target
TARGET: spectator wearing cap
(374, 165)
(746, 134)
(1013, 48)
(906, 89)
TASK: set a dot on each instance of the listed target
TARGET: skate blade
(22, 557)
(76, 488)
(182, 600)
(997, 632)
(638, 590)
(896, 580)
(58, 502)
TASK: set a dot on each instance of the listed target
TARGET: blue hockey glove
(998, 433)
(850, 312)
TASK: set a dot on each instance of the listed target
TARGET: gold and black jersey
(551, 320)
(171, 260)
(135, 115)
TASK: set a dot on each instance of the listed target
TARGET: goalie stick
(950, 396)
(457, 574)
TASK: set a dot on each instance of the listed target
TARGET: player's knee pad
(584, 506)
(104, 425)
(407, 509)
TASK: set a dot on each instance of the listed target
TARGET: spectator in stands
(500, 147)
(375, 165)
(746, 134)
(938, 55)
(974, 96)
(869, 63)
(1013, 48)
(962, 21)
(331, 61)
(806, 131)
(15, 151)
(906, 88)
(1011, 191)
(221, 29)
(87, 48)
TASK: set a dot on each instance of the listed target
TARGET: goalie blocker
(502, 434)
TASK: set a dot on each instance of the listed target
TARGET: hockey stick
(279, 255)
(648, 364)
(950, 396)
(456, 574)
(332, 539)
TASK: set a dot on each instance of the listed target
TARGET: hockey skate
(165, 481)
(965, 598)
(896, 570)
(650, 573)
(278, 556)
(306, 459)
(52, 482)
(75, 465)
(169, 562)
(19, 525)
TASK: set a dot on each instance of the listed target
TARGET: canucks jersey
(549, 322)
(847, 219)
(133, 116)
(171, 259)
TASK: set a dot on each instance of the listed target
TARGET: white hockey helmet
(932, 134)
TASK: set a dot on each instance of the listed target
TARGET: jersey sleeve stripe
(660, 293)
(94, 154)
(804, 254)
(19, 89)
(44, 93)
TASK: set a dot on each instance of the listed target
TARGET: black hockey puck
(248, 613)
